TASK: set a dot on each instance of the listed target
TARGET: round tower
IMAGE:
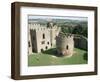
(65, 44)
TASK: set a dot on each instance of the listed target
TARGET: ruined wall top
(41, 27)
(65, 35)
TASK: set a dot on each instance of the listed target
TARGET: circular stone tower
(65, 44)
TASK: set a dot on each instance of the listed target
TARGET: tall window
(43, 36)
(29, 44)
(67, 47)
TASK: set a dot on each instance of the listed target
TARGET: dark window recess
(42, 50)
(46, 47)
(51, 44)
(48, 43)
(33, 49)
(43, 36)
(67, 47)
(43, 42)
(29, 44)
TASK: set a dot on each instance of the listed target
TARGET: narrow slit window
(29, 44)
(67, 47)
(43, 36)
(48, 43)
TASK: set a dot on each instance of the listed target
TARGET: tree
(67, 29)
(77, 29)
(80, 29)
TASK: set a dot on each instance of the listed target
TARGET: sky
(56, 17)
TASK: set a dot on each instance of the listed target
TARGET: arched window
(43, 36)
(42, 50)
(46, 47)
(67, 47)
(48, 43)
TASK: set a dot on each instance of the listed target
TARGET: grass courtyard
(49, 57)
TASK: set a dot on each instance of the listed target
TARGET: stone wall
(80, 42)
(29, 43)
(42, 38)
(65, 44)
(33, 40)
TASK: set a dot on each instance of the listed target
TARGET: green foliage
(85, 32)
(80, 30)
(85, 56)
(77, 29)
(66, 29)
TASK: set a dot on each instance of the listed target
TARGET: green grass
(49, 57)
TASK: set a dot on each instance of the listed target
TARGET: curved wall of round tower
(65, 44)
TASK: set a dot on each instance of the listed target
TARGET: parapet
(65, 36)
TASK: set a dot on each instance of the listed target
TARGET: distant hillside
(58, 21)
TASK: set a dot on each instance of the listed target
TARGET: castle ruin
(65, 44)
(42, 37)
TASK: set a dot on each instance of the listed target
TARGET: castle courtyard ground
(50, 57)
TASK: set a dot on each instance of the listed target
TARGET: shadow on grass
(85, 56)
(52, 51)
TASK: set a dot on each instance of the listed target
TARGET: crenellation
(44, 36)
(45, 39)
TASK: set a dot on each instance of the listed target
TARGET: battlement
(65, 36)
(40, 27)
(65, 44)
